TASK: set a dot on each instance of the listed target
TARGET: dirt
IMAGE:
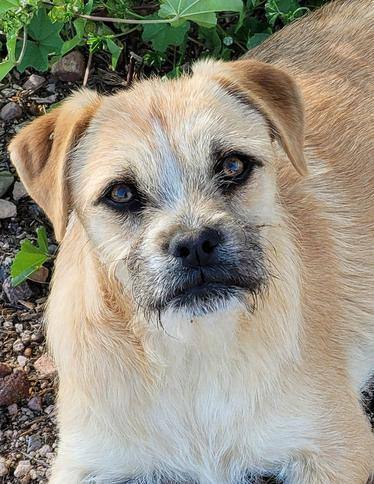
(28, 424)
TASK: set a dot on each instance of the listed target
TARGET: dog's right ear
(40, 153)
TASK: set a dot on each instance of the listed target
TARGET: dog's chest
(203, 419)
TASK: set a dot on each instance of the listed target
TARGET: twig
(87, 71)
(130, 73)
(128, 20)
(23, 49)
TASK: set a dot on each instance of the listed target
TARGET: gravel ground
(27, 375)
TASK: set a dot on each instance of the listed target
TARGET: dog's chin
(205, 299)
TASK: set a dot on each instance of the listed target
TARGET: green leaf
(6, 67)
(202, 12)
(45, 41)
(42, 239)
(79, 25)
(115, 50)
(283, 9)
(257, 39)
(8, 64)
(6, 5)
(30, 258)
(162, 36)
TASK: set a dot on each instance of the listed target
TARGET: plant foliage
(35, 32)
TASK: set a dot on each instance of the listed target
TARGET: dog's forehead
(164, 132)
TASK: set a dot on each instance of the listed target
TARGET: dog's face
(175, 183)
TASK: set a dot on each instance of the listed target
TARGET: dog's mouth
(205, 297)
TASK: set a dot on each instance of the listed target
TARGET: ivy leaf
(45, 41)
(162, 36)
(6, 5)
(202, 12)
(30, 258)
(115, 50)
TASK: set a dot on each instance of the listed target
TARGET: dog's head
(174, 182)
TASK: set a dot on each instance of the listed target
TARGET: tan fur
(207, 398)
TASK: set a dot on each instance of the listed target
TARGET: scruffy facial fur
(175, 371)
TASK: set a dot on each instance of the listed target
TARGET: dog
(212, 306)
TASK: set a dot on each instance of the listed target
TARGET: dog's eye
(123, 197)
(121, 193)
(232, 167)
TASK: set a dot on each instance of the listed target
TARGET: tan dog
(212, 307)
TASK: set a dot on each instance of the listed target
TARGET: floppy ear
(40, 153)
(275, 95)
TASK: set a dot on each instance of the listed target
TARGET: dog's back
(331, 55)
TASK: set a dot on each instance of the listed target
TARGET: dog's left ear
(273, 93)
(40, 153)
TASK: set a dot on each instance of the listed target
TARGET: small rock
(6, 179)
(23, 468)
(10, 112)
(34, 82)
(51, 87)
(7, 209)
(28, 352)
(22, 360)
(5, 370)
(38, 336)
(18, 327)
(18, 346)
(46, 449)
(14, 294)
(70, 68)
(34, 442)
(46, 100)
(3, 467)
(35, 404)
(41, 275)
(13, 409)
(45, 366)
(8, 92)
(49, 409)
(26, 337)
(19, 191)
(13, 388)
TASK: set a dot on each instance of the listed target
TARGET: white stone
(23, 468)
(7, 209)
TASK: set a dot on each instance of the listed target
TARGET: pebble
(28, 352)
(45, 366)
(22, 360)
(7, 209)
(10, 112)
(13, 409)
(38, 336)
(23, 468)
(44, 450)
(70, 68)
(18, 346)
(26, 337)
(14, 294)
(6, 179)
(46, 100)
(5, 370)
(49, 409)
(13, 388)
(34, 442)
(34, 82)
(35, 404)
(8, 92)
(19, 191)
(3, 467)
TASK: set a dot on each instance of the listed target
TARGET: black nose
(196, 249)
